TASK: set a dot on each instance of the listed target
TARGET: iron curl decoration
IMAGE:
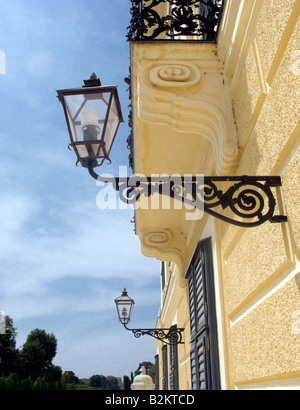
(172, 336)
(249, 198)
(197, 19)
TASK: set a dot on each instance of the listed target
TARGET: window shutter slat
(204, 360)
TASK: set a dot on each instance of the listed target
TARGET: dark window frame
(205, 366)
(165, 380)
(174, 377)
(156, 357)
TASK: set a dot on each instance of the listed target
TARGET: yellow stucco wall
(261, 273)
(256, 270)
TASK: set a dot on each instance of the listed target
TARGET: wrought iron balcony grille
(167, 20)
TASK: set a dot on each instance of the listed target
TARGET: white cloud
(15, 211)
(78, 241)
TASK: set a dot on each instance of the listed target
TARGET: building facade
(215, 92)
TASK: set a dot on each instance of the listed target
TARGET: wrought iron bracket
(250, 198)
(172, 336)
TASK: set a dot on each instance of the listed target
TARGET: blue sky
(63, 261)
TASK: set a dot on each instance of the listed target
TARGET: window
(174, 380)
(165, 381)
(163, 275)
(157, 372)
(204, 342)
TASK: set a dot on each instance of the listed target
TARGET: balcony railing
(167, 20)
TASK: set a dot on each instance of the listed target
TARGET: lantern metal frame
(171, 336)
(124, 300)
(96, 149)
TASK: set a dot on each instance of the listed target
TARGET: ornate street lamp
(93, 116)
(171, 336)
(124, 305)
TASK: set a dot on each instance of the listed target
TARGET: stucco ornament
(164, 245)
(181, 97)
(175, 75)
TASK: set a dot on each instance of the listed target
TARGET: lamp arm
(90, 168)
(113, 180)
(249, 197)
(170, 336)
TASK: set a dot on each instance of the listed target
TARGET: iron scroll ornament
(248, 197)
(197, 19)
(172, 336)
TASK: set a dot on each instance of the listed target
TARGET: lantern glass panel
(112, 124)
(123, 311)
(78, 104)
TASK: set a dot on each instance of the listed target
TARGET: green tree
(47, 341)
(98, 381)
(112, 383)
(37, 353)
(8, 351)
(53, 373)
(32, 359)
(126, 383)
(31, 367)
(69, 377)
(51, 379)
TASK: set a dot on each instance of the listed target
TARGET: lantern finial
(93, 81)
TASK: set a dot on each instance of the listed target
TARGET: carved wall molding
(175, 75)
(165, 245)
(158, 238)
(171, 94)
